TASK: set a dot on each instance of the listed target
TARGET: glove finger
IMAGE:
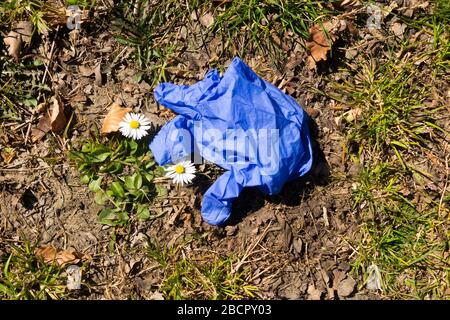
(218, 199)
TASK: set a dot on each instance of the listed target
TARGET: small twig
(29, 128)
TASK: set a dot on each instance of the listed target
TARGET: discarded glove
(243, 124)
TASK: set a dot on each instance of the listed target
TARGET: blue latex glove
(243, 124)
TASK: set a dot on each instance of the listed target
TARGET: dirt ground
(300, 244)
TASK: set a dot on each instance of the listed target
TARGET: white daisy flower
(134, 126)
(181, 173)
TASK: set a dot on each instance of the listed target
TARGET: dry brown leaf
(54, 120)
(114, 117)
(52, 255)
(398, 28)
(313, 293)
(85, 71)
(322, 37)
(346, 287)
(21, 33)
(7, 155)
(207, 20)
(98, 75)
(42, 128)
(319, 43)
(57, 117)
(14, 41)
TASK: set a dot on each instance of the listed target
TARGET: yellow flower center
(179, 169)
(134, 124)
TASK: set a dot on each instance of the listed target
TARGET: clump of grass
(390, 97)
(260, 23)
(200, 275)
(25, 277)
(12, 11)
(151, 28)
(20, 86)
(407, 240)
(442, 11)
(243, 26)
(404, 228)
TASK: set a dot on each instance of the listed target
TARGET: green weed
(393, 116)
(200, 275)
(24, 277)
(408, 242)
(120, 173)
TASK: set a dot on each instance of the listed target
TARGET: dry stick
(249, 252)
(29, 128)
(30, 169)
(49, 59)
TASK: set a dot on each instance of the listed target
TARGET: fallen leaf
(57, 117)
(298, 244)
(338, 276)
(85, 71)
(98, 75)
(207, 20)
(398, 28)
(54, 120)
(114, 117)
(313, 293)
(14, 41)
(52, 255)
(319, 44)
(7, 155)
(21, 33)
(352, 114)
(156, 296)
(346, 287)
(42, 128)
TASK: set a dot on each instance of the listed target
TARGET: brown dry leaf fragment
(52, 255)
(313, 293)
(114, 117)
(207, 20)
(42, 128)
(47, 253)
(346, 287)
(21, 33)
(398, 28)
(319, 43)
(98, 75)
(85, 71)
(54, 120)
(57, 117)
(156, 296)
(7, 155)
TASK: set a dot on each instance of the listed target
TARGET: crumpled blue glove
(243, 124)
